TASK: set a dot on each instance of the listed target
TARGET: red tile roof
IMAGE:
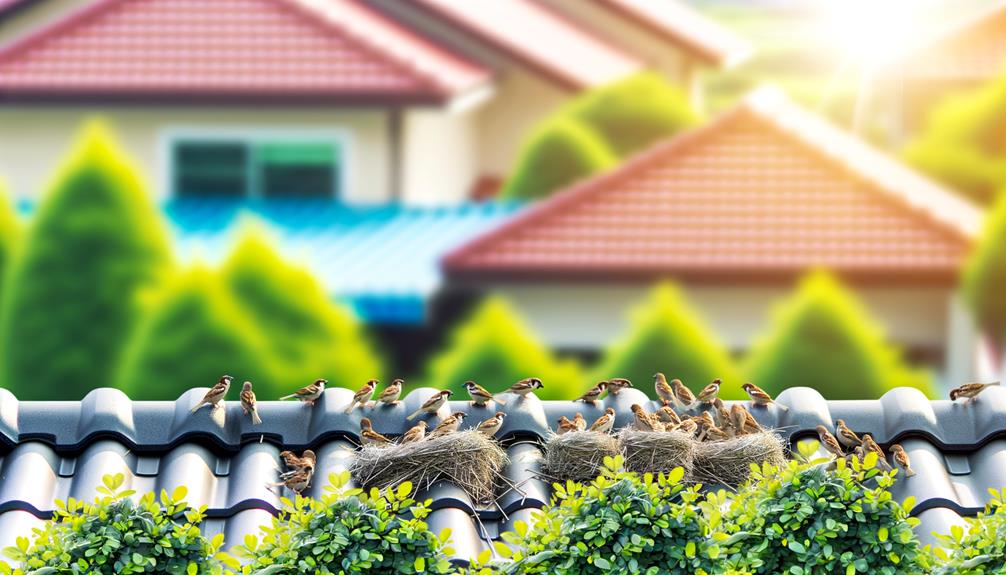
(767, 190)
(331, 51)
(973, 48)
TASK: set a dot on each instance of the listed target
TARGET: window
(271, 169)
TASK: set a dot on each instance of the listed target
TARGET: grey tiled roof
(55, 450)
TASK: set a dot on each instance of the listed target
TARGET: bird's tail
(414, 415)
(256, 420)
(781, 406)
(497, 399)
(994, 383)
(350, 407)
(196, 408)
(909, 472)
(288, 396)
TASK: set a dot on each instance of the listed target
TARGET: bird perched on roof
(480, 395)
(617, 384)
(391, 393)
(870, 445)
(215, 395)
(248, 403)
(846, 436)
(759, 397)
(563, 425)
(828, 442)
(594, 393)
(523, 387)
(297, 481)
(433, 404)
(667, 416)
(709, 393)
(901, 458)
(970, 390)
(306, 462)
(644, 421)
(605, 423)
(449, 425)
(363, 395)
(309, 394)
(370, 437)
(742, 421)
(579, 423)
(491, 426)
(664, 390)
(416, 433)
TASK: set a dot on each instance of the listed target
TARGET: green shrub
(823, 330)
(668, 335)
(115, 535)
(979, 549)
(349, 531)
(96, 245)
(559, 152)
(619, 523)
(496, 349)
(985, 275)
(10, 232)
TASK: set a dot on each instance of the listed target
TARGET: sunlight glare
(870, 33)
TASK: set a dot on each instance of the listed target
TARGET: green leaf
(419, 564)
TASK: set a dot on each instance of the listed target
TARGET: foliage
(115, 535)
(495, 348)
(985, 274)
(307, 335)
(668, 335)
(349, 531)
(964, 145)
(619, 523)
(824, 331)
(10, 232)
(95, 247)
(558, 153)
(979, 548)
(191, 337)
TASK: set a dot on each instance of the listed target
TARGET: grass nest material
(578, 455)
(729, 462)
(656, 451)
(470, 460)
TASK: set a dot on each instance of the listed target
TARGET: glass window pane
(308, 169)
(211, 169)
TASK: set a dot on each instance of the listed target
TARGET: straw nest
(470, 460)
(656, 451)
(578, 455)
(729, 462)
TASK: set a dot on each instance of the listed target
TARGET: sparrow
(480, 395)
(433, 404)
(901, 458)
(828, 441)
(294, 464)
(870, 445)
(759, 397)
(416, 433)
(362, 396)
(709, 393)
(564, 425)
(704, 421)
(297, 481)
(714, 433)
(215, 395)
(370, 437)
(523, 387)
(742, 421)
(667, 415)
(605, 422)
(644, 421)
(491, 426)
(970, 390)
(722, 414)
(309, 394)
(683, 394)
(617, 384)
(248, 403)
(593, 393)
(664, 390)
(688, 427)
(579, 423)
(846, 436)
(391, 393)
(449, 425)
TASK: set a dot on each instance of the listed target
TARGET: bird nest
(656, 451)
(578, 455)
(468, 459)
(728, 462)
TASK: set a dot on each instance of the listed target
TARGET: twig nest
(656, 451)
(468, 459)
(728, 462)
(578, 455)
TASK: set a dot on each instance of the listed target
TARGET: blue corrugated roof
(382, 260)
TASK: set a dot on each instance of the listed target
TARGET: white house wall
(439, 155)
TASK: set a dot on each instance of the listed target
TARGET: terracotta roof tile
(337, 50)
(766, 190)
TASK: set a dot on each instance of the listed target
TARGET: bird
(722, 414)
(416, 433)
(370, 437)
(391, 393)
(901, 458)
(709, 393)
(480, 395)
(644, 421)
(363, 395)
(870, 445)
(579, 423)
(605, 422)
(684, 395)
(248, 403)
(664, 390)
(846, 436)
(309, 394)
(687, 426)
(523, 387)
(759, 397)
(742, 421)
(828, 441)
(294, 463)
(433, 404)
(705, 422)
(970, 390)
(564, 425)
(715, 433)
(491, 426)
(449, 425)
(297, 481)
(667, 416)
(215, 395)
(617, 384)
(593, 393)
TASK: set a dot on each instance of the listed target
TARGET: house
(735, 211)
(376, 101)
(59, 449)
